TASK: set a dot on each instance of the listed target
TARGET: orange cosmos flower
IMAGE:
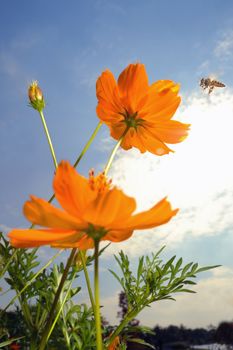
(14, 346)
(141, 110)
(115, 344)
(91, 209)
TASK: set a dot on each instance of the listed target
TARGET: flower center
(130, 119)
(99, 183)
(96, 233)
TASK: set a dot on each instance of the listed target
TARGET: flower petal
(117, 236)
(162, 101)
(84, 243)
(133, 86)
(40, 212)
(26, 244)
(159, 214)
(107, 115)
(72, 190)
(170, 131)
(108, 207)
(132, 139)
(107, 93)
(152, 143)
(28, 238)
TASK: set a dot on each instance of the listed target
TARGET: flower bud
(78, 259)
(36, 96)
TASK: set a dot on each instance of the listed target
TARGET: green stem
(87, 279)
(121, 326)
(85, 148)
(61, 307)
(89, 142)
(109, 163)
(97, 304)
(48, 138)
(48, 325)
(8, 263)
(33, 343)
(26, 312)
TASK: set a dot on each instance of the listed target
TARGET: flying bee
(208, 83)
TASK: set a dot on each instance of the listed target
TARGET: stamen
(99, 183)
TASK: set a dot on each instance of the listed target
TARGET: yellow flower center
(99, 183)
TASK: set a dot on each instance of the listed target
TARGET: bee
(208, 83)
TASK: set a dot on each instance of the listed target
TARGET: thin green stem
(85, 148)
(89, 142)
(8, 263)
(121, 326)
(24, 304)
(48, 138)
(26, 312)
(31, 280)
(99, 344)
(61, 307)
(87, 279)
(55, 301)
(109, 163)
(33, 343)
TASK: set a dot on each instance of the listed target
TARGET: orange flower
(14, 346)
(115, 344)
(92, 209)
(144, 110)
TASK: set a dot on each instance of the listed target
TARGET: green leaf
(169, 263)
(206, 268)
(194, 268)
(187, 290)
(140, 341)
(189, 282)
(115, 275)
(186, 268)
(140, 268)
(10, 341)
(178, 264)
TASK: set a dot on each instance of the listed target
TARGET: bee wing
(218, 83)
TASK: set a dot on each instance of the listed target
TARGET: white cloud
(224, 47)
(111, 308)
(197, 178)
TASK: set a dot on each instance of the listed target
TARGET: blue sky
(66, 46)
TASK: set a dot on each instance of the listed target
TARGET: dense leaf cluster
(36, 287)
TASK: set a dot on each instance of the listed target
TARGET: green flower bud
(36, 97)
